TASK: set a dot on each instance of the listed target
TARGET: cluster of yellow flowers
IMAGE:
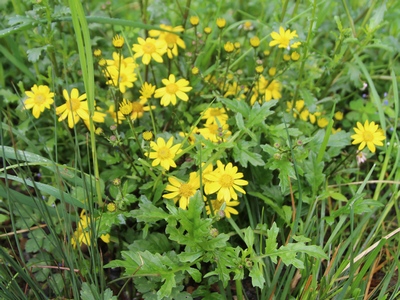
(299, 110)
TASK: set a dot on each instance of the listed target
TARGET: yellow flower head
(229, 47)
(255, 41)
(164, 153)
(283, 38)
(259, 69)
(215, 115)
(368, 135)
(150, 49)
(207, 30)
(195, 70)
(122, 78)
(39, 98)
(273, 91)
(182, 191)
(221, 23)
(171, 39)
(217, 205)
(147, 90)
(172, 90)
(97, 52)
(147, 135)
(75, 108)
(194, 20)
(125, 107)
(118, 41)
(295, 56)
(225, 180)
(215, 133)
(119, 61)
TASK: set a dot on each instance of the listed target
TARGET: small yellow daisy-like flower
(75, 108)
(215, 133)
(150, 49)
(368, 135)
(259, 69)
(221, 23)
(248, 26)
(118, 41)
(255, 41)
(273, 91)
(338, 115)
(229, 47)
(286, 57)
(182, 191)
(99, 131)
(122, 78)
(204, 180)
(215, 116)
(97, 52)
(207, 30)
(139, 107)
(172, 90)
(322, 122)
(147, 135)
(228, 210)
(272, 71)
(119, 61)
(164, 153)
(102, 62)
(295, 56)
(283, 38)
(147, 90)
(171, 39)
(111, 207)
(236, 45)
(226, 180)
(195, 70)
(125, 107)
(39, 98)
(194, 20)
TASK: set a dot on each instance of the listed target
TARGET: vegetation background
(160, 149)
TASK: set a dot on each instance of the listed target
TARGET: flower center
(215, 112)
(149, 48)
(186, 190)
(170, 39)
(40, 99)
(368, 136)
(226, 180)
(73, 104)
(172, 88)
(285, 41)
(213, 128)
(163, 153)
(137, 107)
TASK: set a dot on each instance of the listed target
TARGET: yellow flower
(255, 41)
(182, 191)
(283, 38)
(139, 107)
(83, 232)
(118, 41)
(215, 116)
(98, 117)
(147, 135)
(207, 30)
(273, 91)
(195, 70)
(204, 180)
(164, 153)
(225, 180)
(39, 98)
(229, 47)
(194, 20)
(122, 78)
(338, 115)
(322, 122)
(111, 207)
(286, 57)
(119, 61)
(295, 56)
(215, 133)
(221, 23)
(259, 69)
(228, 210)
(74, 108)
(248, 26)
(172, 90)
(272, 71)
(149, 49)
(97, 52)
(171, 39)
(147, 90)
(368, 135)
(125, 107)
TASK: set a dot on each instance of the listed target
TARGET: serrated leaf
(314, 172)
(249, 237)
(87, 291)
(339, 139)
(244, 155)
(270, 243)
(34, 53)
(289, 252)
(166, 288)
(147, 212)
(258, 113)
(108, 295)
(257, 276)
(286, 171)
(237, 106)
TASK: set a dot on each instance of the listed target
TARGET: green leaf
(270, 243)
(237, 106)
(195, 274)
(244, 155)
(308, 98)
(34, 53)
(314, 172)
(257, 276)
(147, 212)
(286, 171)
(258, 113)
(249, 237)
(88, 290)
